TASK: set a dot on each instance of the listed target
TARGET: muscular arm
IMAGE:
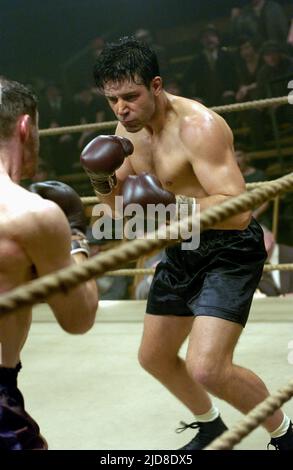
(49, 250)
(213, 162)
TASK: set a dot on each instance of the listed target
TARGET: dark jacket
(209, 84)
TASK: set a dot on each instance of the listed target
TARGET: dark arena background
(88, 392)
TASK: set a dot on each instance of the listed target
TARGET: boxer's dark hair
(15, 99)
(127, 59)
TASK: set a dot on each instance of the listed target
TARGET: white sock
(211, 415)
(282, 429)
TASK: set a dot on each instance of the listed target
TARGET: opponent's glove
(69, 201)
(101, 158)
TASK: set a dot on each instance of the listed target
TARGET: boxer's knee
(211, 374)
(156, 361)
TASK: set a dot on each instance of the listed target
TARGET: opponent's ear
(157, 85)
(24, 127)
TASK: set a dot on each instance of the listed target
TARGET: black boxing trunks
(217, 279)
(18, 431)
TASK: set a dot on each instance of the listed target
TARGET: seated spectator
(58, 151)
(272, 81)
(212, 74)
(274, 75)
(77, 68)
(248, 65)
(276, 283)
(252, 175)
(145, 35)
(262, 19)
(90, 107)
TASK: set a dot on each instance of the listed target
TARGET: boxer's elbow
(80, 320)
(88, 317)
(80, 325)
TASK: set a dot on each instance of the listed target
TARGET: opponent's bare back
(20, 211)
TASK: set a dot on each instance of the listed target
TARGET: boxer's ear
(24, 127)
(157, 85)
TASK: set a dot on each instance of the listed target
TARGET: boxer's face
(133, 103)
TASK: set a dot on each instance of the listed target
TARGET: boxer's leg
(162, 338)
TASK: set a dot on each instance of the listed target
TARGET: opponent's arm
(212, 158)
(58, 242)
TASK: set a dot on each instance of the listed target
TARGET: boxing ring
(92, 393)
(89, 392)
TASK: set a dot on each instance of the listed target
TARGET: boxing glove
(69, 201)
(101, 158)
(145, 189)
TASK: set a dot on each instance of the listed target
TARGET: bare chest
(169, 161)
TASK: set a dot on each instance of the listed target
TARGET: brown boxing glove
(101, 158)
(145, 189)
(69, 201)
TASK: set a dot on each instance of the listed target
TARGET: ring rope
(256, 104)
(230, 108)
(150, 271)
(253, 419)
(39, 289)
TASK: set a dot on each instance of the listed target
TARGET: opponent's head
(19, 123)
(127, 73)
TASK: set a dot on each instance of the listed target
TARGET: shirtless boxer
(205, 292)
(35, 239)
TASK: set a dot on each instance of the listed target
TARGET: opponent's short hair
(15, 99)
(127, 59)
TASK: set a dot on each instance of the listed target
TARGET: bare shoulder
(33, 216)
(202, 129)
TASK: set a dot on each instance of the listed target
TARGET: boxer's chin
(132, 128)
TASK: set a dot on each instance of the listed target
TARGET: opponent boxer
(205, 292)
(36, 238)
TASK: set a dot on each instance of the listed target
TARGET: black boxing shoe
(207, 432)
(284, 442)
